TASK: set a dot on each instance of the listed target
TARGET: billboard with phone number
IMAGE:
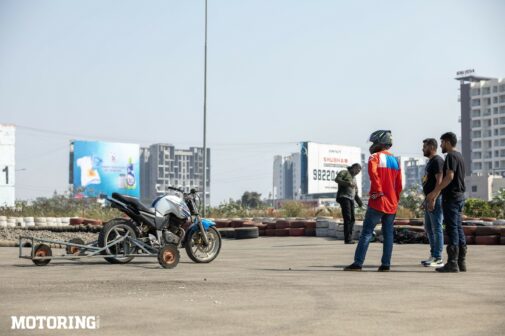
(321, 164)
(101, 168)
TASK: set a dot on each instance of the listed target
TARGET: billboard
(7, 165)
(101, 168)
(321, 164)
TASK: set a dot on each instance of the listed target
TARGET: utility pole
(205, 119)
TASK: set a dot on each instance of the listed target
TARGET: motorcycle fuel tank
(172, 204)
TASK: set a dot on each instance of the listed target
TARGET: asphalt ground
(265, 286)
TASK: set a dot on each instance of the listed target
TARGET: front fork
(202, 231)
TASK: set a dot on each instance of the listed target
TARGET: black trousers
(347, 206)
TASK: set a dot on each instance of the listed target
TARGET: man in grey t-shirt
(346, 195)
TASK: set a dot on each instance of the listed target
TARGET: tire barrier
(297, 224)
(310, 232)
(222, 223)
(227, 232)
(406, 235)
(310, 225)
(282, 224)
(487, 231)
(474, 222)
(282, 232)
(297, 232)
(250, 224)
(470, 240)
(261, 226)
(416, 222)
(401, 221)
(270, 232)
(236, 223)
(469, 230)
(411, 230)
(487, 240)
(246, 233)
(271, 226)
(76, 221)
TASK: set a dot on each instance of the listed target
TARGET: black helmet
(381, 137)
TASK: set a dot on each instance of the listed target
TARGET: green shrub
(292, 208)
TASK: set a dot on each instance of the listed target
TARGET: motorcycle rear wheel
(109, 232)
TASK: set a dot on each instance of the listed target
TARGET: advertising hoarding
(321, 164)
(101, 168)
(7, 165)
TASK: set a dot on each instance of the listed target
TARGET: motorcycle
(159, 230)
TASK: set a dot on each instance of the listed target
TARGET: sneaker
(427, 261)
(435, 263)
(383, 268)
(352, 267)
(350, 242)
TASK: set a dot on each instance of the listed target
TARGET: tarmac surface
(265, 286)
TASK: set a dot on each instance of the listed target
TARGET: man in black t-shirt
(453, 201)
(433, 219)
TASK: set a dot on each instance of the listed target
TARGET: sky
(279, 72)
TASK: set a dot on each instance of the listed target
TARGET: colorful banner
(101, 168)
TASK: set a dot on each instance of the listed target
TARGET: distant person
(346, 195)
(433, 218)
(386, 185)
(453, 201)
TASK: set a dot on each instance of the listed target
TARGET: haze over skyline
(279, 72)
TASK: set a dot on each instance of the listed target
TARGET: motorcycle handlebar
(176, 189)
(193, 191)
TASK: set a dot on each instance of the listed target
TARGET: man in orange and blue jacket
(385, 188)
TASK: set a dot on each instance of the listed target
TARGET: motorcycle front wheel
(196, 249)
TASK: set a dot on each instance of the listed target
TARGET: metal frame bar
(92, 248)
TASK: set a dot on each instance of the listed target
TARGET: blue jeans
(433, 226)
(372, 218)
(452, 219)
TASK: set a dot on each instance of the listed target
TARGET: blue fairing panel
(207, 223)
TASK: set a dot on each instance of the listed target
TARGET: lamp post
(205, 118)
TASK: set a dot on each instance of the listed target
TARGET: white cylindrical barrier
(322, 232)
(40, 221)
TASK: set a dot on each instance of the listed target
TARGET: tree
(413, 199)
(251, 200)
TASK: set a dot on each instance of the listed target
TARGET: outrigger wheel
(168, 256)
(74, 249)
(42, 250)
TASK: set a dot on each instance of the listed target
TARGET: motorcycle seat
(132, 201)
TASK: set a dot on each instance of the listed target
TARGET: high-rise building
(365, 179)
(413, 169)
(482, 123)
(484, 187)
(287, 177)
(163, 165)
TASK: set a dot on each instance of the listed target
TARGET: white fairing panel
(172, 204)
